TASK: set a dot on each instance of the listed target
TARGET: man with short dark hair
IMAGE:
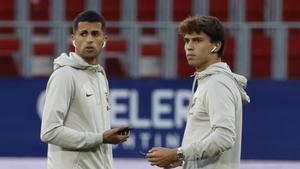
(212, 137)
(76, 119)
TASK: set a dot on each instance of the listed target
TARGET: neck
(208, 63)
(91, 61)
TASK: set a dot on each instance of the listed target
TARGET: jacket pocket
(76, 164)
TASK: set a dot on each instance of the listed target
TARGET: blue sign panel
(156, 110)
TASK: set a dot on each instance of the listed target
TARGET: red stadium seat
(151, 60)
(293, 56)
(291, 10)
(114, 51)
(116, 45)
(255, 10)
(229, 53)
(8, 49)
(73, 7)
(219, 9)
(152, 49)
(40, 11)
(8, 65)
(7, 13)
(115, 68)
(181, 9)
(111, 10)
(9, 45)
(7, 10)
(43, 55)
(44, 49)
(261, 53)
(146, 11)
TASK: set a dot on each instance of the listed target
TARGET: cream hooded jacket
(75, 115)
(212, 138)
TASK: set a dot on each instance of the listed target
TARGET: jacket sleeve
(219, 103)
(59, 94)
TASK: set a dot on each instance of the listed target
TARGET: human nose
(89, 38)
(189, 45)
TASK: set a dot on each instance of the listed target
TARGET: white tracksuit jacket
(75, 115)
(212, 138)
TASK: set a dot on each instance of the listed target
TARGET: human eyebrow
(197, 39)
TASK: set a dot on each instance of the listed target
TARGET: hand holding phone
(125, 131)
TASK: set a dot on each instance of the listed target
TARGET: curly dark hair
(207, 24)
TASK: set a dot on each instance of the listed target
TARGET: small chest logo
(88, 95)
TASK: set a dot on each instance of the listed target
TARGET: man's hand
(163, 157)
(116, 135)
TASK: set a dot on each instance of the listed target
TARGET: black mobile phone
(142, 153)
(125, 131)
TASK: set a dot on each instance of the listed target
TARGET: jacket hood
(222, 67)
(75, 61)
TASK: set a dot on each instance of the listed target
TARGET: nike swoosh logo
(88, 95)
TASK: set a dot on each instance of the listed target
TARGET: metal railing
(241, 31)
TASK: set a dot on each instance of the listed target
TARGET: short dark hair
(89, 16)
(207, 24)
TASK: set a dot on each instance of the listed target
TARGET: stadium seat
(181, 9)
(219, 9)
(152, 49)
(229, 53)
(114, 53)
(291, 10)
(40, 11)
(115, 68)
(44, 49)
(9, 47)
(7, 13)
(261, 53)
(293, 56)
(7, 10)
(42, 60)
(73, 7)
(255, 10)
(116, 45)
(151, 60)
(8, 65)
(146, 11)
(111, 10)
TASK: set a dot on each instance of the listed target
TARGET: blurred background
(149, 77)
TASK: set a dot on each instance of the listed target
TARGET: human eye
(83, 33)
(197, 40)
(96, 33)
(186, 40)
